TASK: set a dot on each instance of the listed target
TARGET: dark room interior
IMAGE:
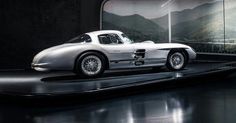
(164, 61)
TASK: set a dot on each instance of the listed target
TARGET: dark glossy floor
(28, 83)
(207, 102)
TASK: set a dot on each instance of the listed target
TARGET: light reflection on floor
(213, 102)
(206, 103)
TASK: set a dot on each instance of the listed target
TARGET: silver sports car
(92, 53)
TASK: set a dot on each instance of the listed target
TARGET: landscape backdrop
(203, 24)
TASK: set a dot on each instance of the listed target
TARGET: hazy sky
(150, 8)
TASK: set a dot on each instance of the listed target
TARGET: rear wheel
(176, 60)
(90, 64)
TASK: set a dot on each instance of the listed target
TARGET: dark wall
(29, 26)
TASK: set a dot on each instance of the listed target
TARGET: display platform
(36, 84)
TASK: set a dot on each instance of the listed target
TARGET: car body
(114, 51)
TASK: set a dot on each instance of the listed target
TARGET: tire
(90, 64)
(176, 60)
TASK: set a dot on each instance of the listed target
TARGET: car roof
(104, 32)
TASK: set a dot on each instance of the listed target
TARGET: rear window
(84, 38)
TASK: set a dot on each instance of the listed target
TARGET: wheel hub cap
(91, 65)
(177, 60)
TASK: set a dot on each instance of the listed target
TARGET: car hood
(172, 45)
(161, 45)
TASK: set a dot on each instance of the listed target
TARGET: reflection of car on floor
(92, 53)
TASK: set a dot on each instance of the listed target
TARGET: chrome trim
(124, 60)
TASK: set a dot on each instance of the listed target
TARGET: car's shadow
(106, 75)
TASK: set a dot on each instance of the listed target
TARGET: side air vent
(140, 53)
(139, 57)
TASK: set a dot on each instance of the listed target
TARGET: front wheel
(176, 61)
(90, 64)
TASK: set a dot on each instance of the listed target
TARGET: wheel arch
(107, 65)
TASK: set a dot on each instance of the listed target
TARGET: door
(148, 54)
(119, 54)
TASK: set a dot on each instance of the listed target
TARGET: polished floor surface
(207, 102)
(31, 83)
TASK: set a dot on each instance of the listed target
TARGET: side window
(116, 39)
(109, 39)
(82, 38)
(104, 39)
(85, 38)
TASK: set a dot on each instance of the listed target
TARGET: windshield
(84, 38)
(127, 39)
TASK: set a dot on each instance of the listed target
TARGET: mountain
(134, 23)
(190, 14)
(206, 28)
(230, 23)
(134, 35)
(203, 23)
